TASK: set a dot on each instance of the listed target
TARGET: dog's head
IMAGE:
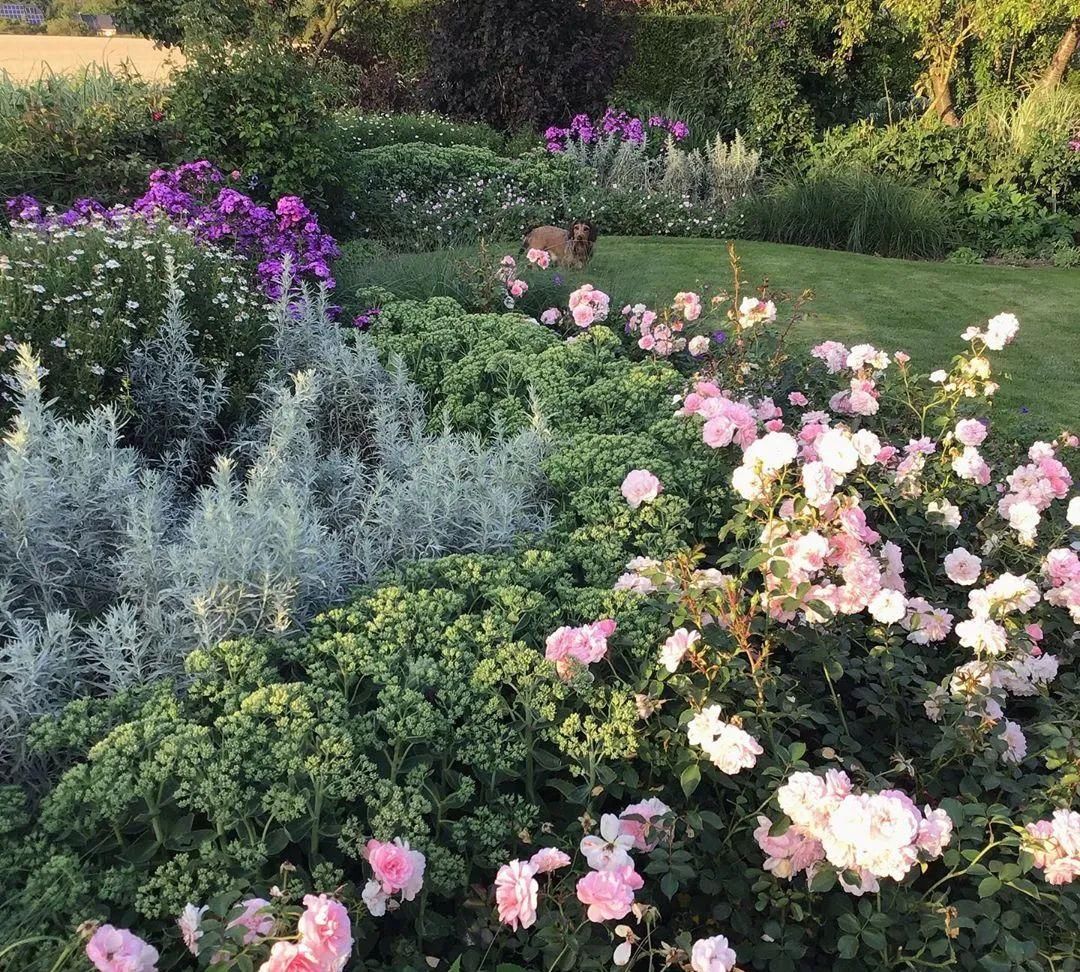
(582, 232)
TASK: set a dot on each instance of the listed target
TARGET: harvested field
(27, 57)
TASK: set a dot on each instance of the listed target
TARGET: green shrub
(366, 131)
(1005, 220)
(96, 134)
(261, 109)
(853, 210)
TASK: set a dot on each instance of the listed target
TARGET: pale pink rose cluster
(726, 421)
(515, 286)
(688, 304)
(539, 258)
(729, 747)
(875, 835)
(608, 889)
(640, 486)
(753, 311)
(999, 332)
(1061, 567)
(396, 869)
(657, 335)
(551, 317)
(570, 647)
(112, 949)
(1032, 488)
(1055, 845)
(588, 305)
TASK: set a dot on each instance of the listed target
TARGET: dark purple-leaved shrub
(520, 63)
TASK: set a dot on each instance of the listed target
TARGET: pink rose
(326, 930)
(551, 316)
(255, 918)
(798, 398)
(640, 486)
(118, 950)
(607, 894)
(712, 955)
(970, 432)
(549, 859)
(644, 832)
(515, 894)
(962, 567)
(291, 957)
(396, 867)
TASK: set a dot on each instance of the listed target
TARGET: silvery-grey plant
(718, 176)
(116, 563)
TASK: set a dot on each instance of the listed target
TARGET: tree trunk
(942, 105)
(1059, 63)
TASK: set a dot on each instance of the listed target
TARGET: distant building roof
(26, 13)
(99, 22)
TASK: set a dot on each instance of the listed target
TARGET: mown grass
(920, 307)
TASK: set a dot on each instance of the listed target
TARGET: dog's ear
(592, 232)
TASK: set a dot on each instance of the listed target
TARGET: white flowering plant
(84, 296)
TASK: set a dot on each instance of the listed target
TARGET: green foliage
(366, 131)
(514, 62)
(96, 134)
(260, 108)
(1005, 220)
(850, 210)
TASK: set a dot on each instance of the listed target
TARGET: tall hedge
(659, 69)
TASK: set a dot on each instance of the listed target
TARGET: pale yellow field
(26, 57)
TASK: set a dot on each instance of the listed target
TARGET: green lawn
(919, 307)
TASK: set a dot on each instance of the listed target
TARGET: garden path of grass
(920, 307)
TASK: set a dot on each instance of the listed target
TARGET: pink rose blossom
(676, 647)
(396, 867)
(255, 918)
(551, 316)
(607, 895)
(970, 432)
(291, 957)
(640, 486)
(325, 928)
(797, 398)
(962, 567)
(712, 955)
(516, 893)
(644, 832)
(549, 859)
(118, 950)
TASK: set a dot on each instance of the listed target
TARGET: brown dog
(571, 248)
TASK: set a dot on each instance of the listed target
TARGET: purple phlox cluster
(289, 232)
(196, 196)
(1074, 144)
(613, 123)
(366, 318)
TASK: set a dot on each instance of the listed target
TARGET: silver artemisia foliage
(114, 565)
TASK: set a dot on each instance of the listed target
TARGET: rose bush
(787, 685)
